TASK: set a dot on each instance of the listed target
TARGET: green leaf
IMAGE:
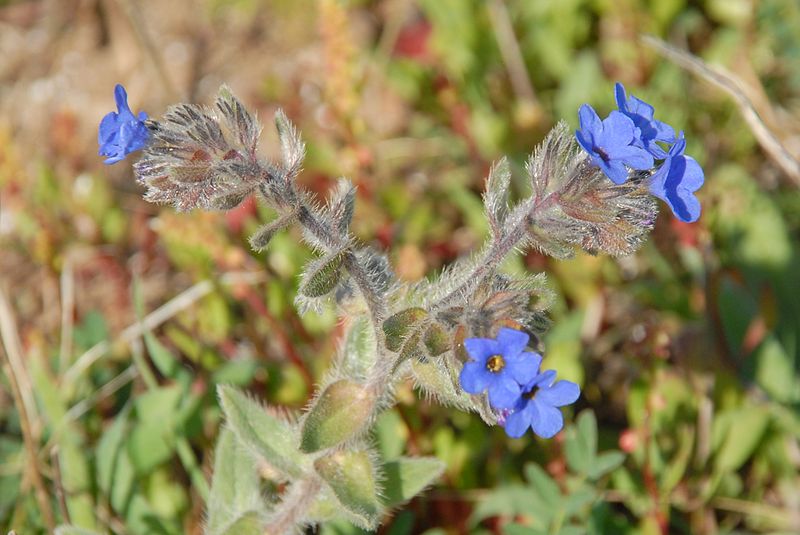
(511, 500)
(123, 483)
(398, 326)
(580, 446)
(676, 467)
(261, 238)
(351, 476)
(519, 529)
(73, 530)
(544, 485)
(150, 444)
(406, 477)
(152, 438)
(737, 446)
(263, 434)
(322, 275)
(736, 308)
(578, 499)
(108, 451)
(606, 462)
(775, 370)
(162, 357)
(249, 523)
(339, 414)
(235, 486)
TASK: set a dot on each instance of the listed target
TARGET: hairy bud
(340, 414)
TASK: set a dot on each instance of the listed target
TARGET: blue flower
(121, 132)
(537, 408)
(676, 181)
(610, 143)
(650, 130)
(500, 365)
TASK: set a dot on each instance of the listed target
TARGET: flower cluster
(525, 396)
(121, 132)
(632, 138)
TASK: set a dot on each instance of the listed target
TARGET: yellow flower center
(495, 363)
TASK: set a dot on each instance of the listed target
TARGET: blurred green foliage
(687, 353)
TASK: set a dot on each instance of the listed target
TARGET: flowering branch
(471, 338)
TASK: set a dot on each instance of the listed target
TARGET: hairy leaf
(261, 238)
(235, 487)
(262, 433)
(322, 275)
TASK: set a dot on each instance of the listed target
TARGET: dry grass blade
(14, 369)
(732, 85)
(13, 348)
(181, 302)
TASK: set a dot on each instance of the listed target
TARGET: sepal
(293, 150)
(496, 196)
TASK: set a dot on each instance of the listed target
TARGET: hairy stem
(497, 249)
(294, 506)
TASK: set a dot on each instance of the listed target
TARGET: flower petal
(621, 97)
(547, 420)
(121, 99)
(518, 422)
(635, 157)
(587, 142)
(474, 378)
(618, 130)
(560, 394)
(524, 367)
(512, 342)
(481, 349)
(616, 171)
(589, 120)
(504, 392)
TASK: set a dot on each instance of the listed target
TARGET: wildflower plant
(470, 338)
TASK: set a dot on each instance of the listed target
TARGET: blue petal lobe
(517, 423)
(560, 394)
(480, 348)
(504, 392)
(512, 341)
(474, 378)
(524, 367)
(547, 420)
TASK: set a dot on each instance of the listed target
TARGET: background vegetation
(118, 318)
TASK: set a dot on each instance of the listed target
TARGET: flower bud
(338, 415)
(351, 476)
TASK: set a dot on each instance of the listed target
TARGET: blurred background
(687, 352)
